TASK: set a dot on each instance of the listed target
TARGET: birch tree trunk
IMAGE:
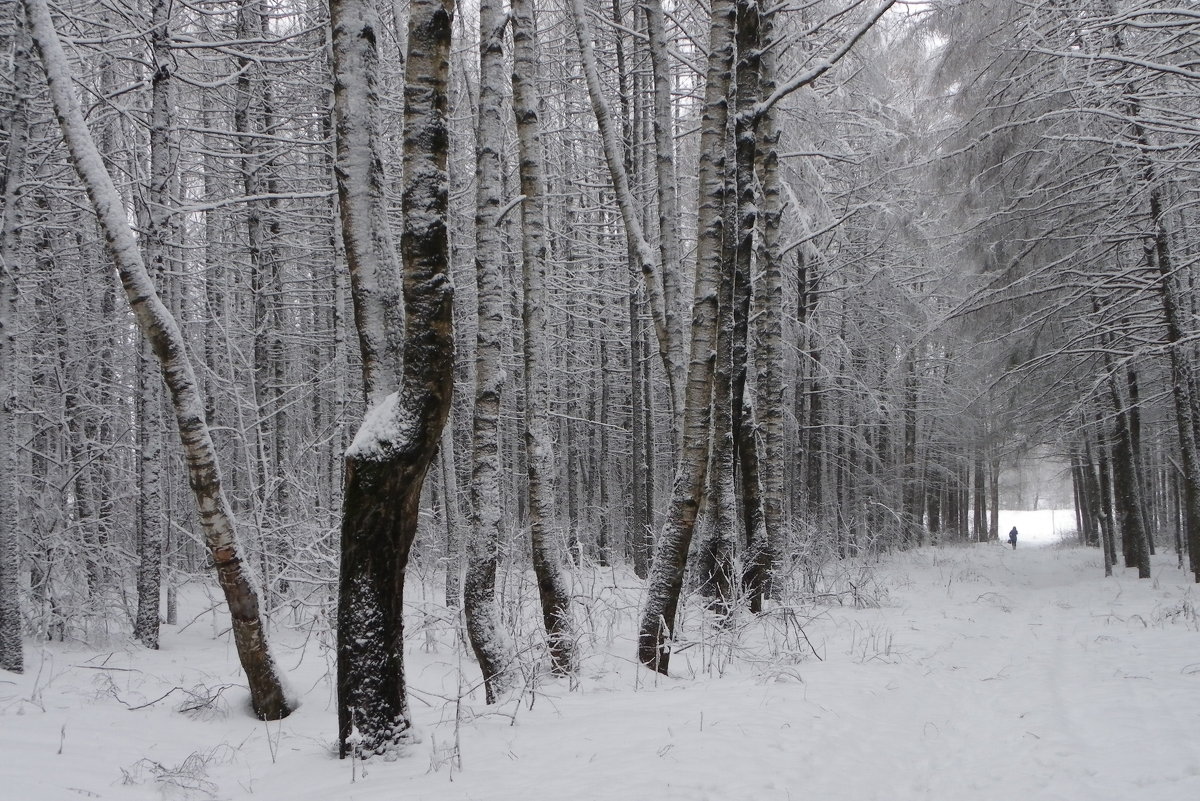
(267, 693)
(387, 462)
(667, 183)
(11, 651)
(150, 519)
(670, 561)
(719, 518)
(670, 351)
(492, 648)
(769, 314)
(553, 590)
(744, 223)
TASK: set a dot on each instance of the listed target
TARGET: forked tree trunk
(484, 628)
(670, 562)
(387, 462)
(718, 517)
(553, 590)
(740, 245)
(1126, 481)
(267, 694)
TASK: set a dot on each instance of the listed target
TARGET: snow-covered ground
(962, 673)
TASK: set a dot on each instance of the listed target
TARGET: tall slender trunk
(993, 482)
(267, 694)
(553, 588)
(769, 309)
(453, 519)
(671, 352)
(151, 535)
(980, 509)
(1126, 497)
(491, 646)
(641, 473)
(1183, 381)
(1103, 493)
(912, 491)
(667, 183)
(11, 187)
(718, 516)
(253, 118)
(740, 245)
(670, 562)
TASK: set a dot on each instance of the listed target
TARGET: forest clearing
(967, 671)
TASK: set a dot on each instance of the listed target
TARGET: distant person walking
(1012, 537)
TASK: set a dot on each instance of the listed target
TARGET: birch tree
(11, 186)
(150, 519)
(553, 590)
(670, 560)
(387, 462)
(267, 694)
(486, 632)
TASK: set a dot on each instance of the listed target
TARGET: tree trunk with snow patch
(388, 460)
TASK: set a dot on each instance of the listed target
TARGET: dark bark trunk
(387, 462)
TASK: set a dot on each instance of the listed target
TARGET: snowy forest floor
(963, 672)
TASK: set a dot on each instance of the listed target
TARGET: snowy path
(984, 674)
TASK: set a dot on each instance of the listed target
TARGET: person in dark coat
(1012, 537)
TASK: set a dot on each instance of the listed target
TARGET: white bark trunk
(768, 315)
(267, 693)
(491, 645)
(150, 518)
(670, 562)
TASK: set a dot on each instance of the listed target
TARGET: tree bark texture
(13, 177)
(484, 628)
(151, 522)
(390, 456)
(768, 317)
(670, 561)
(553, 588)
